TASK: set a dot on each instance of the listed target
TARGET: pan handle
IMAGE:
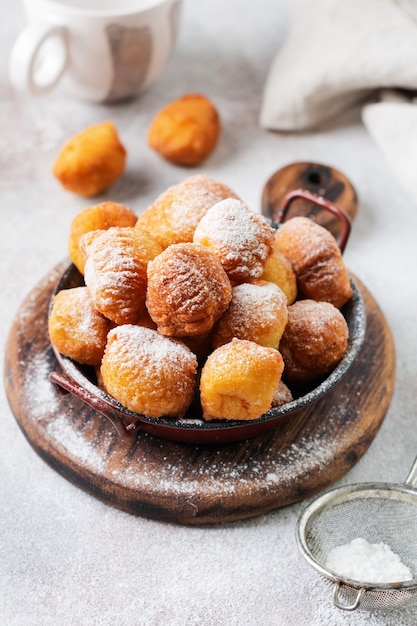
(67, 385)
(321, 202)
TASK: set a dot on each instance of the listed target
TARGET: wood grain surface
(190, 483)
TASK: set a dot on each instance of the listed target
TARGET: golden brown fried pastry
(314, 341)
(99, 217)
(76, 328)
(238, 381)
(174, 215)
(148, 373)
(185, 131)
(91, 161)
(316, 259)
(278, 270)
(188, 290)
(239, 237)
(282, 395)
(115, 271)
(257, 312)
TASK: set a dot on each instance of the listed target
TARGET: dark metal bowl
(80, 381)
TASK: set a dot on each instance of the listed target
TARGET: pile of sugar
(367, 562)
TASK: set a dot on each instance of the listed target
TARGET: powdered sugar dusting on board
(38, 387)
(62, 431)
(221, 476)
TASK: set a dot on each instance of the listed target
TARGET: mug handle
(24, 68)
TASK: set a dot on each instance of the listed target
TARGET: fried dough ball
(115, 271)
(76, 328)
(91, 161)
(257, 312)
(188, 290)
(238, 381)
(278, 270)
(282, 395)
(185, 131)
(314, 340)
(239, 237)
(148, 373)
(317, 260)
(174, 215)
(99, 217)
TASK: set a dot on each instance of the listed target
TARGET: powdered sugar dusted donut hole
(257, 312)
(188, 290)
(148, 373)
(240, 238)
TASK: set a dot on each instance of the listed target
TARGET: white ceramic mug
(98, 50)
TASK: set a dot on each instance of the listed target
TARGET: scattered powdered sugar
(75, 443)
(367, 562)
(38, 387)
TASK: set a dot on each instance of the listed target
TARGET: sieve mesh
(377, 512)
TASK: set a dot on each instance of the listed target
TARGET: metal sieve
(377, 512)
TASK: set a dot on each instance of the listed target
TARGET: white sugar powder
(367, 562)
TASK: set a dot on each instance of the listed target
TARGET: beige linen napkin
(343, 53)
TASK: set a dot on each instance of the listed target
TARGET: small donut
(185, 131)
(188, 290)
(148, 373)
(315, 339)
(238, 381)
(99, 217)
(317, 261)
(239, 237)
(91, 161)
(174, 215)
(257, 312)
(76, 329)
(278, 270)
(115, 271)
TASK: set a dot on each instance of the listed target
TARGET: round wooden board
(186, 483)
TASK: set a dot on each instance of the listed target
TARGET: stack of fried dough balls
(198, 301)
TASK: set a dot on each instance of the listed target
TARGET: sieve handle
(346, 607)
(411, 480)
